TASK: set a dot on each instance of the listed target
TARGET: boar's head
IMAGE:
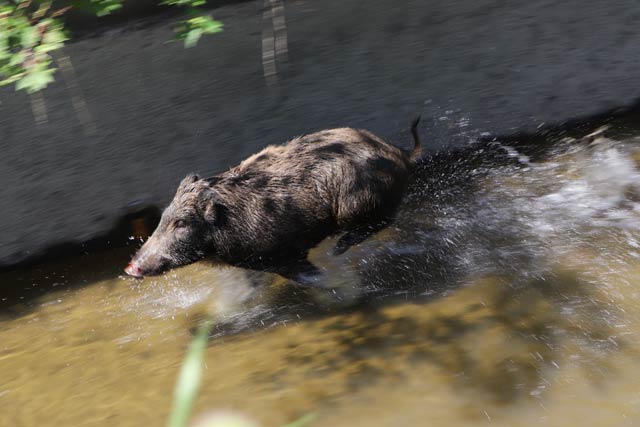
(184, 234)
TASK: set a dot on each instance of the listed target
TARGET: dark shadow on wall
(69, 266)
(131, 227)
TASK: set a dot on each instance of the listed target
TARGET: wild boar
(267, 212)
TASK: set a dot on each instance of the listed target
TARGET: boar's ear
(213, 211)
(187, 181)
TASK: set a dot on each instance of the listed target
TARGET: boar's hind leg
(356, 236)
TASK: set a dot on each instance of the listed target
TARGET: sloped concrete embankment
(141, 113)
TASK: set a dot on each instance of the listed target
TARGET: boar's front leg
(301, 271)
(357, 236)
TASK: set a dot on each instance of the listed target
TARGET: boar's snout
(133, 270)
(148, 265)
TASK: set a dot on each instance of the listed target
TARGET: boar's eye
(180, 223)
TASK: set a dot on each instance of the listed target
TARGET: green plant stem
(188, 383)
(302, 421)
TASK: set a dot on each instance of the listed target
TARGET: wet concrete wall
(141, 113)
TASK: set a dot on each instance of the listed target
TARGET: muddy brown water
(507, 293)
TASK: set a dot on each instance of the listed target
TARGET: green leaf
(108, 9)
(17, 58)
(36, 80)
(99, 7)
(192, 29)
(30, 37)
(192, 37)
(191, 3)
(206, 24)
(54, 36)
(211, 26)
(53, 39)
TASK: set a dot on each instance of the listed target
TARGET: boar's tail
(417, 146)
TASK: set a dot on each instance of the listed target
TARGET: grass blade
(188, 383)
